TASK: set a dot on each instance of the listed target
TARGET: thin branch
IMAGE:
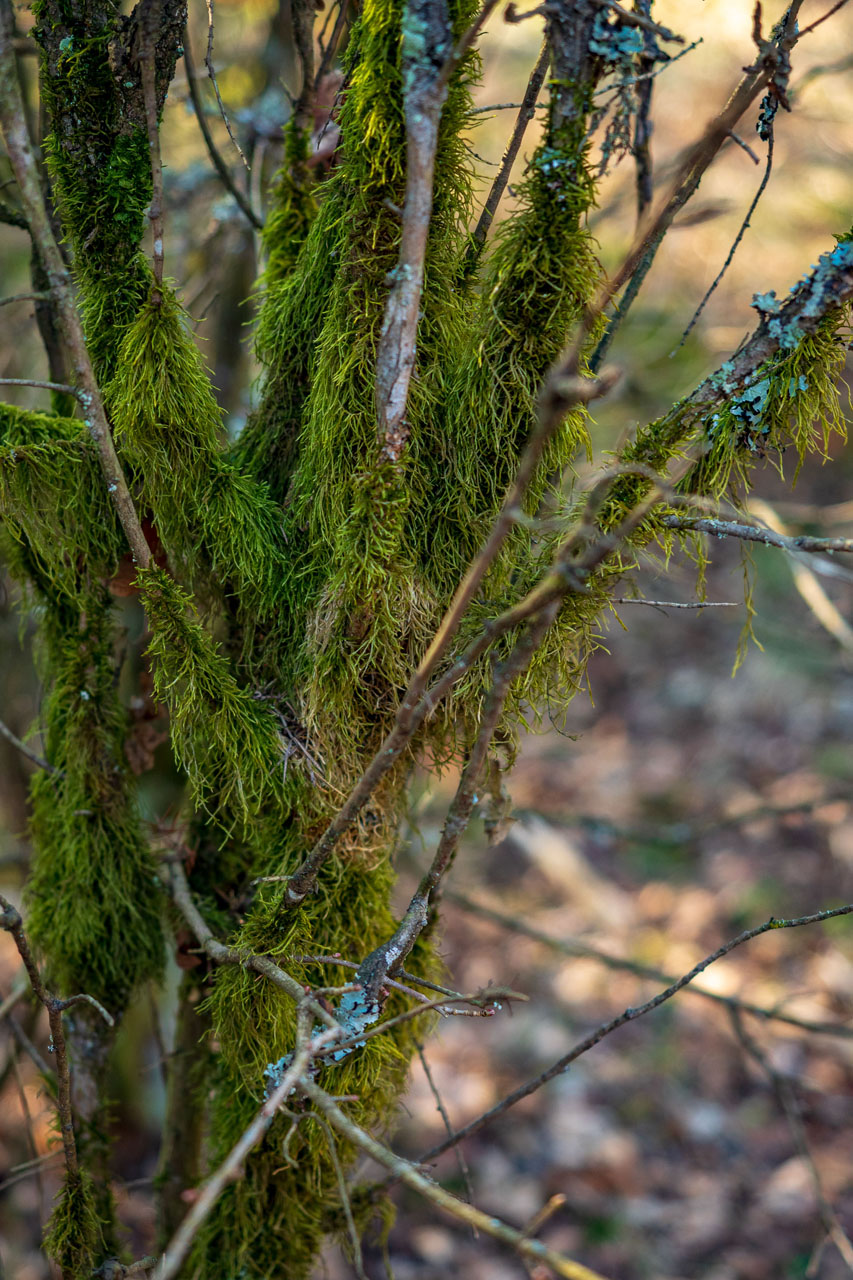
(39, 382)
(424, 95)
(466, 41)
(412, 1177)
(838, 5)
(327, 54)
(210, 1191)
(150, 16)
(525, 115)
(744, 226)
(216, 159)
(221, 954)
(24, 167)
(208, 62)
(678, 604)
(789, 1103)
(16, 742)
(629, 1015)
(343, 1192)
(750, 533)
(445, 1119)
(10, 919)
(574, 948)
(698, 158)
(24, 297)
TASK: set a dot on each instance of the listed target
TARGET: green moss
(74, 1238)
(219, 528)
(227, 741)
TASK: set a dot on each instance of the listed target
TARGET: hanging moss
(74, 1238)
(220, 529)
(97, 154)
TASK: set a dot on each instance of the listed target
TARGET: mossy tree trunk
(300, 573)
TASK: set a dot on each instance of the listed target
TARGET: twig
(525, 115)
(630, 18)
(466, 41)
(10, 919)
(328, 53)
(208, 62)
(575, 948)
(699, 156)
(39, 382)
(629, 1015)
(150, 16)
(210, 1191)
(412, 1177)
(445, 1118)
(212, 150)
(678, 604)
(23, 163)
(16, 742)
(838, 5)
(750, 533)
(24, 297)
(787, 1098)
(427, 29)
(733, 250)
(343, 1192)
(222, 954)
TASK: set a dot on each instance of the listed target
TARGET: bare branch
(208, 62)
(210, 1191)
(574, 947)
(24, 297)
(406, 1172)
(629, 1015)
(426, 35)
(39, 382)
(751, 533)
(16, 742)
(217, 161)
(10, 919)
(525, 115)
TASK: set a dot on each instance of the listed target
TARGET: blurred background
(673, 807)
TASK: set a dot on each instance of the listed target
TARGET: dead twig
(628, 1015)
(216, 159)
(407, 1173)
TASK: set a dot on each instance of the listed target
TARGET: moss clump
(227, 741)
(220, 529)
(74, 1237)
(98, 158)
